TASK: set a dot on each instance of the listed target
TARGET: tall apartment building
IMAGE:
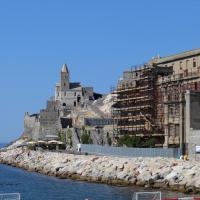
(151, 98)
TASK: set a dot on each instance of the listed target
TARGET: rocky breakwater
(163, 173)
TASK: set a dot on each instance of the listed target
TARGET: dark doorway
(66, 122)
(78, 99)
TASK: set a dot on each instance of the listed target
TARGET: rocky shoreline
(160, 173)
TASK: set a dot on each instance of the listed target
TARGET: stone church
(72, 94)
(69, 96)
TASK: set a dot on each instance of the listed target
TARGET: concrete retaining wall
(131, 152)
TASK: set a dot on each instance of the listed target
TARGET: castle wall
(98, 135)
(49, 121)
(31, 127)
(101, 135)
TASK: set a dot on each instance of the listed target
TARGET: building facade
(151, 98)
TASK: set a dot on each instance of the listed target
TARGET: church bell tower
(64, 78)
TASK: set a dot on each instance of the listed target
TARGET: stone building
(71, 110)
(151, 98)
(72, 94)
(192, 123)
(69, 96)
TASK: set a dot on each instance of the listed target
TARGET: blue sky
(97, 40)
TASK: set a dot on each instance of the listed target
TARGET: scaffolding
(134, 107)
(150, 101)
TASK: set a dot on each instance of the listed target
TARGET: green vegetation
(136, 141)
(85, 136)
(69, 137)
(62, 137)
(85, 139)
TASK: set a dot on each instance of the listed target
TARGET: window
(177, 130)
(187, 63)
(74, 93)
(180, 65)
(194, 63)
(177, 110)
(195, 86)
(171, 110)
(78, 99)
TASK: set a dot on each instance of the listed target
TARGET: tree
(133, 141)
(85, 136)
(69, 137)
(61, 137)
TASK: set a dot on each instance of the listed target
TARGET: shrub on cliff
(69, 137)
(62, 136)
(85, 138)
(136, 141)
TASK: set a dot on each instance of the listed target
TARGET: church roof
(75, 85)
(64, 68)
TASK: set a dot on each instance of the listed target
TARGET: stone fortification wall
(49, 121)
(38, 126)
(99, 136)
(31, 126)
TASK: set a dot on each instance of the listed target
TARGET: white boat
(158, 196)
(10, 196)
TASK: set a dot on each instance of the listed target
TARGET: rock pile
(164, 173)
